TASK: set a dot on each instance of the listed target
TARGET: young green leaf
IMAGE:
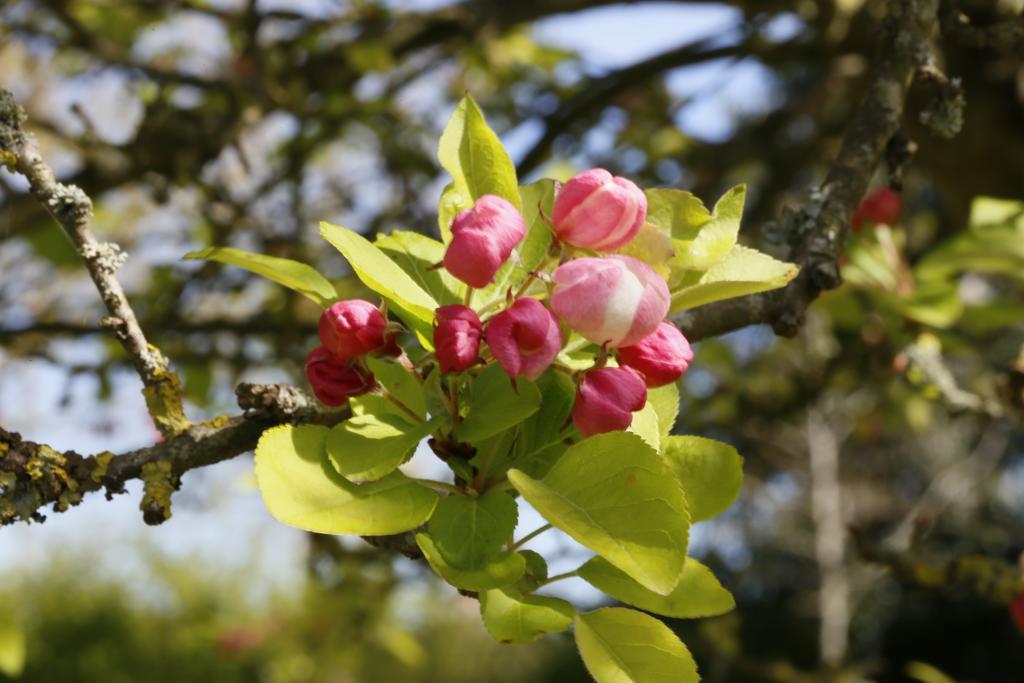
(371, 446)
(645, 425)
(742, 271)
(400, 383)
(699, 238)
(620, 645)
(474, 156)
(613, 494)
(666, 404)
(503, 569)
(416, 254)
(711, 473)
(494, 406)
(301, 489)
(698, 593)
(469, 532)
(294, 275)
(511, 617)
(384, 276)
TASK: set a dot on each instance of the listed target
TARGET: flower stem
(559, 577)
(529, 537)
(440, 486)
(406, 409)
(468, 299)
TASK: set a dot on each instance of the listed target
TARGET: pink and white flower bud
(334, 380)
(482, 239)
(606, 400)
(596, 210)
(457, 337)
(352, 328)
(615, 300)
(661, 357)
(524, 338)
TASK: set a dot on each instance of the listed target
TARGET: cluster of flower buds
(613, 300)
(349, 330)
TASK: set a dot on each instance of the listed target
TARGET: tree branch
(34, 475)
(72, 209)
(819, 231)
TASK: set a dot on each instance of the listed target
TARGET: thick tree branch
(72, 209)
(819, 231)
(34, 475)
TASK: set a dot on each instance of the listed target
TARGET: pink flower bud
(482, 239)
(881, 206)
(524, 338)
(352, 328)
(596, 210)
(1017, 611)
(606, 400)
(334, 380)
(615, 300)
(457, 337)
(661, 357)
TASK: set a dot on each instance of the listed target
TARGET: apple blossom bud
(596, 210)
(661, 357)
(1017, 611)
(524, 338)
(482, 239)
(334, 380)
(882, 206)
(615, 300)
(457, 337)
(352, 328)
(606, 400)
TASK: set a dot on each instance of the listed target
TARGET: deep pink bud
(482, 239)
(1017, 611)
(596, 210)
(335, 380)
(606, 400)
(352, 328)
(881, 206)
(457, 337)
(615, 300)
(524, 338)
(661, 357)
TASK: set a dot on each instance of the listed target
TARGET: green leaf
(453, 201)
(474, 156)
(742, 271)
(401, 384)
(544, 428)
(645, 425)
(301, 489)
(384, 276)
(620, 645)
(469, 532)
(511, 617)
(711, 473)
(416, 254)
(13, 649)
(294, 275)
(494, 406)
(614, 495)
(371, 446)
(652, 246)
(698, 593)
(502, 570)
(536, 571)
(666, 404)
(700, 239)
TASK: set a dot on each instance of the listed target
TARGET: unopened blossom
(352, 328)
(606, 400)
(661, 357)
(596, 210)
(457, 337)
(524, 338)
(335, 380)
(882, 206)
(483, 238)
(614, 300)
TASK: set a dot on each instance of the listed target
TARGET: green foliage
(711, 473)
(698, 593)
(740, 272)
(493, 405)
(502, 569)
(511, 617)
(300, 488)
(294, 275)
(13, 649)
(614, 495)
(368, 447)
(478, 163)
(416, 254)
(620, 645)
(468, 531)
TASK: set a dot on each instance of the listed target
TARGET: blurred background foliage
(886, 433)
